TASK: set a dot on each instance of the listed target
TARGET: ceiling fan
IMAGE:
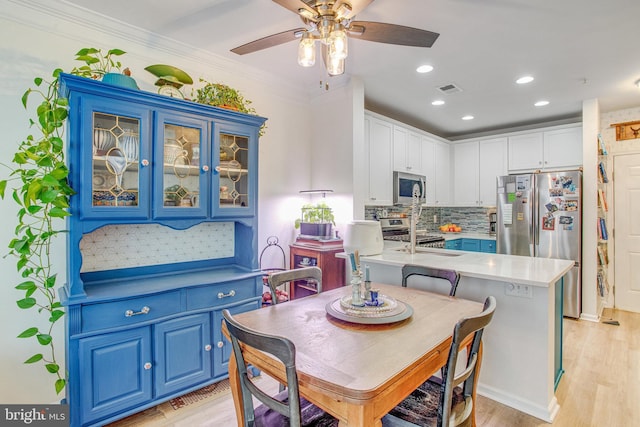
(331, 22)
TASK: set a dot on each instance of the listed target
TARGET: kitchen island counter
(522, 362)
(505, 268)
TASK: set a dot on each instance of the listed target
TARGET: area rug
(214, 390)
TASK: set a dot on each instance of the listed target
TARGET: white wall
(38, 36)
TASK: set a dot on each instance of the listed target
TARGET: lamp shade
(364, 236)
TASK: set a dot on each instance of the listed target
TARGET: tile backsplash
(136, 245)
(471, 219)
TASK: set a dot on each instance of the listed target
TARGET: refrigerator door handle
(535, 226)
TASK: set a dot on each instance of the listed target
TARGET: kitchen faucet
(415, 215)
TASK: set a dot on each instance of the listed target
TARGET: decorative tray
(388, 310)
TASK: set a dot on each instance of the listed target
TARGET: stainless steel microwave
(403, 187)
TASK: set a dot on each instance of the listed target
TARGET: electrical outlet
(435, 219)
(518, 290)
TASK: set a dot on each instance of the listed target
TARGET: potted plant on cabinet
(317, 220)
(223, 96)
(104, 66)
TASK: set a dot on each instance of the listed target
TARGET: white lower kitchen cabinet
(546, 150)
(379, 149)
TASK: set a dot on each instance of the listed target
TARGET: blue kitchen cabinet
(471, 245)
(114, 373)
(140, 333)
(455, 244)
(488, 246)
(183, 348)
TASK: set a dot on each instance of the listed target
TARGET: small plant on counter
(317, 220)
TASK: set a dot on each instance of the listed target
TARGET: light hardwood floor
(600, 387)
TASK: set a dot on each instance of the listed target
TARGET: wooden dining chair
(450, 402)
(306, 273)
(451, 276)
(284, 409)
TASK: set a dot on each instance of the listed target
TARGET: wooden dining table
(357, 372)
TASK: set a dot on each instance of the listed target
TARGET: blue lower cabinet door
(116, 372)
(223, 346)
(488, 246)
(183, 351)
(471, 245)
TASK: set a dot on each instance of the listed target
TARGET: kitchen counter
(522, 362)
(505, 268)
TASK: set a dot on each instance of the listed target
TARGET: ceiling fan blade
(357, 6)
(392, 34)
(269, 41)
(295, 6)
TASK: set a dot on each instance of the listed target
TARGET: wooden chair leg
(234, 383)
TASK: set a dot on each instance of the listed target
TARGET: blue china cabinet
(162, 237)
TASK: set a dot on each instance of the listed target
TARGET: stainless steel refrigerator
(540, 215)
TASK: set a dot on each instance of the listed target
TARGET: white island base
(522, 361)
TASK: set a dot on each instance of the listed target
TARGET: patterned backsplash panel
(137, 245)
(472, 219)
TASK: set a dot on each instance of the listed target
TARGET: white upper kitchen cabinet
(466, 167)
(379, 148)
(476, 166)
(429, 166)
(407, 151)
(493, 163)
(443, 174)
(546, 150)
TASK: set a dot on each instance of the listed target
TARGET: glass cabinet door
(115, 177)
(235, 172)
(182, 166)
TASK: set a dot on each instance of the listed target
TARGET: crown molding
(51, 16)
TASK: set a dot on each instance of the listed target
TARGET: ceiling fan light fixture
(343, 10)
(307, 51)
(306, 13)
(337, 43)
(335, 67)
(637, 83)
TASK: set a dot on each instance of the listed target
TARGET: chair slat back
(281, 277)
(279, 347)
(451, 276)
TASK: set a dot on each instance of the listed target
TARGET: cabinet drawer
(129, 311)
(220, 294)
(488, 246)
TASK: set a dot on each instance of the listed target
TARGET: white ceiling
(575, 49)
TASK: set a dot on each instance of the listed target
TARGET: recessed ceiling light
(541, 103)
(524, 79)
(468, 117)
(438, 102)
(424, 69)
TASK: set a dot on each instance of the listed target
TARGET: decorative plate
(371, 315)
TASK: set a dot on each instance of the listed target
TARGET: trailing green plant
(221, 95)
(39, 177)
(42, 194)
(97, 63)
(316, 214)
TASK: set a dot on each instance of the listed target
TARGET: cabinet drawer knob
(223, 295)
(144, 162)
(220, 344)
(129, 313)
(207, 347)
(205, 168)
(147, 366)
